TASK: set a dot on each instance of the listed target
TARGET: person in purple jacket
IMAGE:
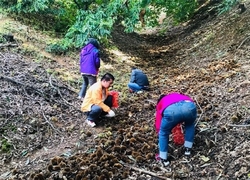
(172, 109)
(89, 65)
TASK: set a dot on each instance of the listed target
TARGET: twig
(145, 171)
(19, 83)
(50, 81)
(42, 94)
(204, 165)
(243, 42)
(151, 101)
(8, 45)
(51, 124)
(201, 112)
(239, 125)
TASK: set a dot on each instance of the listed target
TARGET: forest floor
(43, 134)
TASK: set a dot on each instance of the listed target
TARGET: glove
(110, 114)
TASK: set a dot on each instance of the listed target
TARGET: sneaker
(139, 92)
(187, 151)
(81, 98)
(157, 157)
(90, 123)
(165, 162)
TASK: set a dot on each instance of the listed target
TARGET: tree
(81, 19)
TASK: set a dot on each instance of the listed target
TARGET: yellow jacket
(94, 96)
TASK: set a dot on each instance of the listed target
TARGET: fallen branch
(145, 171)
(42, 94)
(59, 92)
(8, 45)
(239, 125)
(51, 124)
(19, 83)
(243, 42)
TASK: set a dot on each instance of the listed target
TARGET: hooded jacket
(89, 60)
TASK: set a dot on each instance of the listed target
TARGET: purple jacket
(89, 60)
(164, 103)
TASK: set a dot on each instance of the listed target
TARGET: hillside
(43, 135)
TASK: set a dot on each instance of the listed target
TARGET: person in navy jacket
(138, 81)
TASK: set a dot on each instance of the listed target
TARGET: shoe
(90, 123)
(81, 98)
(139, 92)
(165, 162)
(108, 115)
(157, 157)
(187, 151)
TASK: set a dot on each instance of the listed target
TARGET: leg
(171, 117)
(85, 84)
(95, 113)
(92, 79)
(190, 114)
(135, 87)
(108, 102)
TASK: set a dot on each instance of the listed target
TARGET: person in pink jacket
(172, 109)
(97, 101)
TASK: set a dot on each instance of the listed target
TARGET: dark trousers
(96, 111)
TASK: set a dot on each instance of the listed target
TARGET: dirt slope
(207, 59)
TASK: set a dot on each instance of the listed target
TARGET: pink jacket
(166, 101)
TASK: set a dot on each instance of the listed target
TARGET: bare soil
(43, 134)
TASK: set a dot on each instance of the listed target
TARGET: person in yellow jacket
(97, 101)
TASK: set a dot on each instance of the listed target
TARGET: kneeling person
(138, 81)
(97, 101)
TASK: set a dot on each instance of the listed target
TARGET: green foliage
(5, 146)
(2, 40)
(56, 48)
(226, 5)
(179, 10)
(53, 14)
(81, 19)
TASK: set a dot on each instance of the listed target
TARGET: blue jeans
(183, 111)
(96, 111)
(87, 80)
(135, 87)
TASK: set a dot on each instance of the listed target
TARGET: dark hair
(161, 96)
(94, 42)
(107, 77)
(133, 67)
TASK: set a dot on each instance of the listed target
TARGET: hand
(111, 113)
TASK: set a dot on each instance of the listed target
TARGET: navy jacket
(138, 77)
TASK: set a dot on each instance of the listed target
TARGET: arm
(97, 100)
(132, 78)
(97, 61)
